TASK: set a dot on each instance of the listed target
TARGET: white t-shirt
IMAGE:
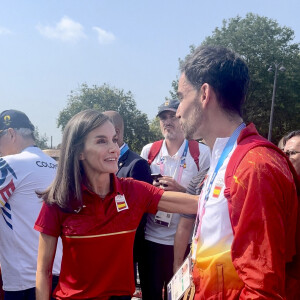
(155, 232)
(20, 176)
(216, 234)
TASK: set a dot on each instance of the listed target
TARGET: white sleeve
(145, 151)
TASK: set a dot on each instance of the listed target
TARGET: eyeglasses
(289, 153)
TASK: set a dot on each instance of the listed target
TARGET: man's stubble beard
(191, 126)
(171, 136)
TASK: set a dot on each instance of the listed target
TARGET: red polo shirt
(98, 241)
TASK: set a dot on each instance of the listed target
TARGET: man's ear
(206, 93)
(11, 133)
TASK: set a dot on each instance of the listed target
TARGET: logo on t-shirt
(44, 164)
(4, 169)
(6, 191)
(217, 191)
(121, 203)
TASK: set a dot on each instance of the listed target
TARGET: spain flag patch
(121, 203)
(217, 191)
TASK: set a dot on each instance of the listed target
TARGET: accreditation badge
(181, 280)
(163, 218)
(218, 188)
(121, 203)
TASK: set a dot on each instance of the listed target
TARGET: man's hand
(168, 183)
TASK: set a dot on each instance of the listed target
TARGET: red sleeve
(148, 194)
(264, 213)
(153, 197)
(49, 220)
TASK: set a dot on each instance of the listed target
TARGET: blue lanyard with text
(182, 162)
(123, 150)
(183, 157)
(229, 145)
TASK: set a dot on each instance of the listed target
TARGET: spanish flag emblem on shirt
(121, 203)
(217, 191)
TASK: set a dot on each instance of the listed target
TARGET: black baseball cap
(168, 105)
(14, 119)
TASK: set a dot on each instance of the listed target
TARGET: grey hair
(26, 133)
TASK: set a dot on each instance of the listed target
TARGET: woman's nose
(114, 148)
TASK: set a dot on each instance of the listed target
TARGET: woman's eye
(101, 141)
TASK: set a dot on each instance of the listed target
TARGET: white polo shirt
(20, 176)
(155, 232)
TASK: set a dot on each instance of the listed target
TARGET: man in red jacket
(246, 232)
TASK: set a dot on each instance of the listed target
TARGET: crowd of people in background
(91, 224)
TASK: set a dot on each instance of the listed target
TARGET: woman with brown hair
(96, 214)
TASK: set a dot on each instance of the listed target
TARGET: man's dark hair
(222, 69)
(290, 135)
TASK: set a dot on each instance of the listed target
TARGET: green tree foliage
(40, 140)
(262, 42)
(155, 130)
(137, 131)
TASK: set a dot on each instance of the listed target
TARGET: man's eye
(115, 140)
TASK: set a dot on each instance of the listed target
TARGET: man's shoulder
(28, 156)
(145, 151)
(252, 150)
(15, 159)
(29, 164)
(30, 169)
(264, 155)
(148, 147)
(130, 158)
(134, 156)
(134, 166)
(264, 162)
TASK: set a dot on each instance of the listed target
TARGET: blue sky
(48, 48)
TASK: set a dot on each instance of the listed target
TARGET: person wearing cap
(177, 167)
(24, 169)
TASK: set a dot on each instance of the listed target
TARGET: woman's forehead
(105, 129)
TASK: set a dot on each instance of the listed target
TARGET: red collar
(247, 131)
